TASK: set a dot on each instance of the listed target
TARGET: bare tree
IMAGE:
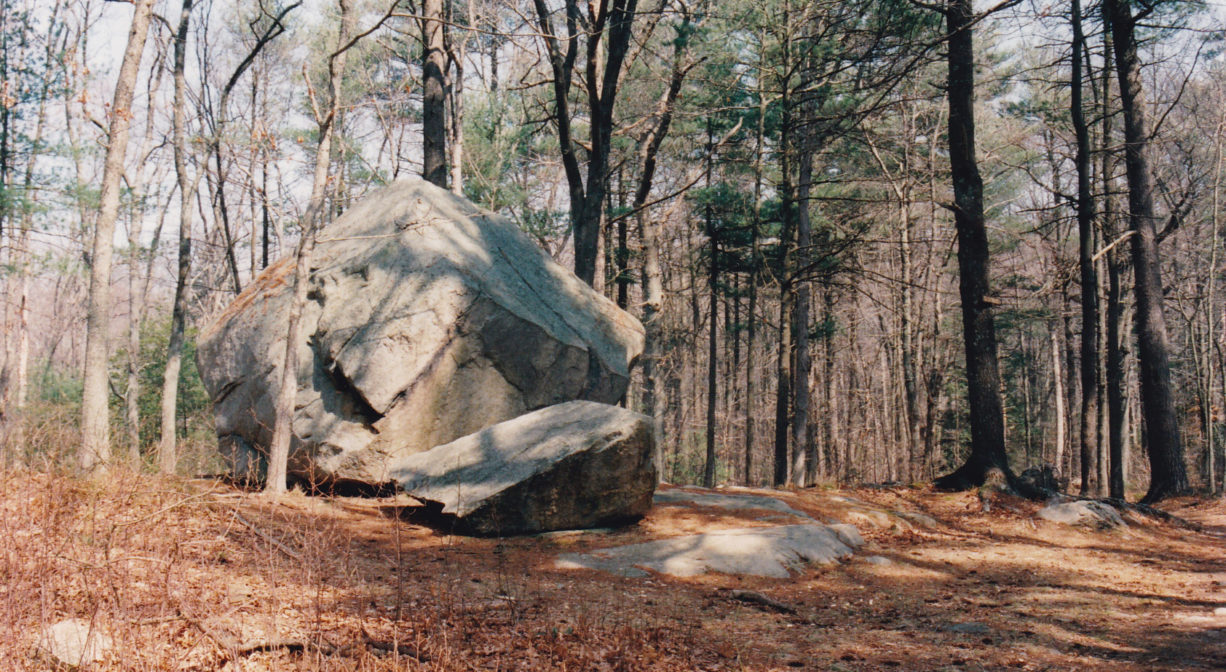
(313, 219)
(605, 33)
(167, 449)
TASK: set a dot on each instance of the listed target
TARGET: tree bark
(708, 472)
(167, 446)
(136, 211)
(804, 461)
(755, 261)
(95, 430)
(434, 95)
(978, 327)
(1168, 475)
(649, 233)
(1059, 392)
(1114, 376)
(1089, 273)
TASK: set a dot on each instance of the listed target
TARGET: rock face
(428, 319)
(573, 465)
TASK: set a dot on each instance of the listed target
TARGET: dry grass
(196, 575)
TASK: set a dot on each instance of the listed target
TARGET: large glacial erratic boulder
(573, 465)
(427, 319)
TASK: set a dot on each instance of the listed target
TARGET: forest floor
(199, 575)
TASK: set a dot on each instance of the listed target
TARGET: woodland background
(767, 185)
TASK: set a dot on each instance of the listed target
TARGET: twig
(1099, 255)
(266, 537)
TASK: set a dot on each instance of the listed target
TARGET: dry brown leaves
(195, 575)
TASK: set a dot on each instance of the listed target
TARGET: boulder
(427, 319)
(1082, 512)
(573, 465)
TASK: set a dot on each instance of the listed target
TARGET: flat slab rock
(773, 552)
(1085, 513)
(727, 500)
(574, 465)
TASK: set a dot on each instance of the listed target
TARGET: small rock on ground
(75, 642)
(1082, 512)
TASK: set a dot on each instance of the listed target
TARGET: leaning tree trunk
(1168, 475)
(95, 434)
(978, 327)
(287, 391)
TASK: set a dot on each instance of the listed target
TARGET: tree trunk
(434, 96)
(783, 386)
(1089, 273)
(95, 434)
(708, 472)
(978, 327)
(755, 260)
(1058, 382)
(1168, 475)
(1210, 314)
(612, 21)
(315, 216)
(653, 280)
(167, 446)
(459, 53)
(829, 426)
(783, 389)
(804, 461)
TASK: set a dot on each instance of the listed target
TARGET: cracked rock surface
(427, 319)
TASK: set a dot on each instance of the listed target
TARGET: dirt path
(179, 576)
